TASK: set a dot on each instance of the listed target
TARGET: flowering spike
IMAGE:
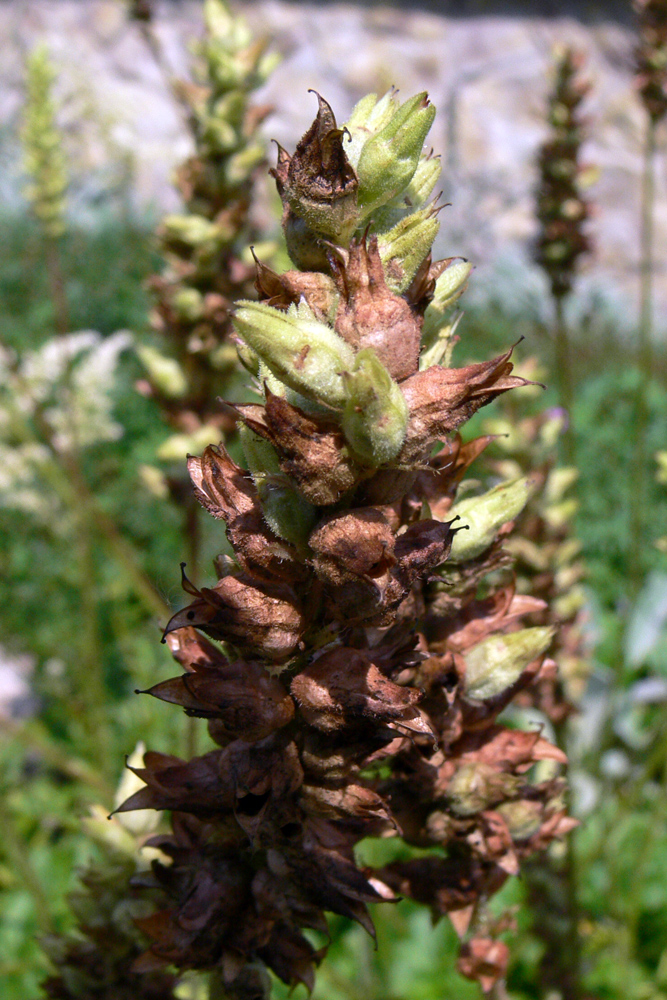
(361, 689)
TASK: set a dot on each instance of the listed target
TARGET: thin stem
(34, 738)
(17, 854)
(90, 668)
(57, 285)
(564, 374)
(193, 544)
(639, 480)
(570, 878)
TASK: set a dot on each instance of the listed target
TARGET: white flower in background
(70, 380)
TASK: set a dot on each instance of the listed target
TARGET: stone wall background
(486, 75)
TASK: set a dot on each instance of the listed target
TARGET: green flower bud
(426, 176)
(154, 480)
(177, 447)
(165, 373)
(559, 482)
(523, 818)
(485, 516)
(240, 166)
(248, 358)
(414, 197)
(375, 416)
(44, 158)
(569, 604)
(188, 303)
(496, 663)
(285, 511)
(476, 786)
(368, 118)
(559, 515)
(440, 351)
(196, 233)
(449, 286)
(405, 246)
(388, 159)
(302, 352)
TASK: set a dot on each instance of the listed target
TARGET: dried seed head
(318, 186)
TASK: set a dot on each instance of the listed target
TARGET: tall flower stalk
(366, 630)
(46, 166)
(651, 79)
(549, 567)
(562, 212)
(204, 245)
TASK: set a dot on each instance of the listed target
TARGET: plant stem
(17, 854)
(571, 880)
(193, 540)
(32, 736)
(564, 372)
(57, 285)
(639, 479)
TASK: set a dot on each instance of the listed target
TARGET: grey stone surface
(487, 75)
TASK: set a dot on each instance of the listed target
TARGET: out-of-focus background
(92, 523)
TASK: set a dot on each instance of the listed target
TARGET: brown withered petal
(283, 290)
(438, 485)
(370, 315)
(441, 399)
(506, 749)
(492, 841)
(421, 547)
(485, 961)
(245, 700)
(422, 286)
(350, 803)
(193, 651)
(352, 544)
(319, 170)
(199, 786)
(496, 614)
(311, 449)
(227, 492)
(343, 686)
(259, 618)
(444, 884)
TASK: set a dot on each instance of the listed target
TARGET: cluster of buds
(204, 245)
(651, 56)
(367, 630)
(546, 554)
(42, 144)
(562, 210)
(95, 961)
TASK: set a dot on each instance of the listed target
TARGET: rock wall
(486, 75)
